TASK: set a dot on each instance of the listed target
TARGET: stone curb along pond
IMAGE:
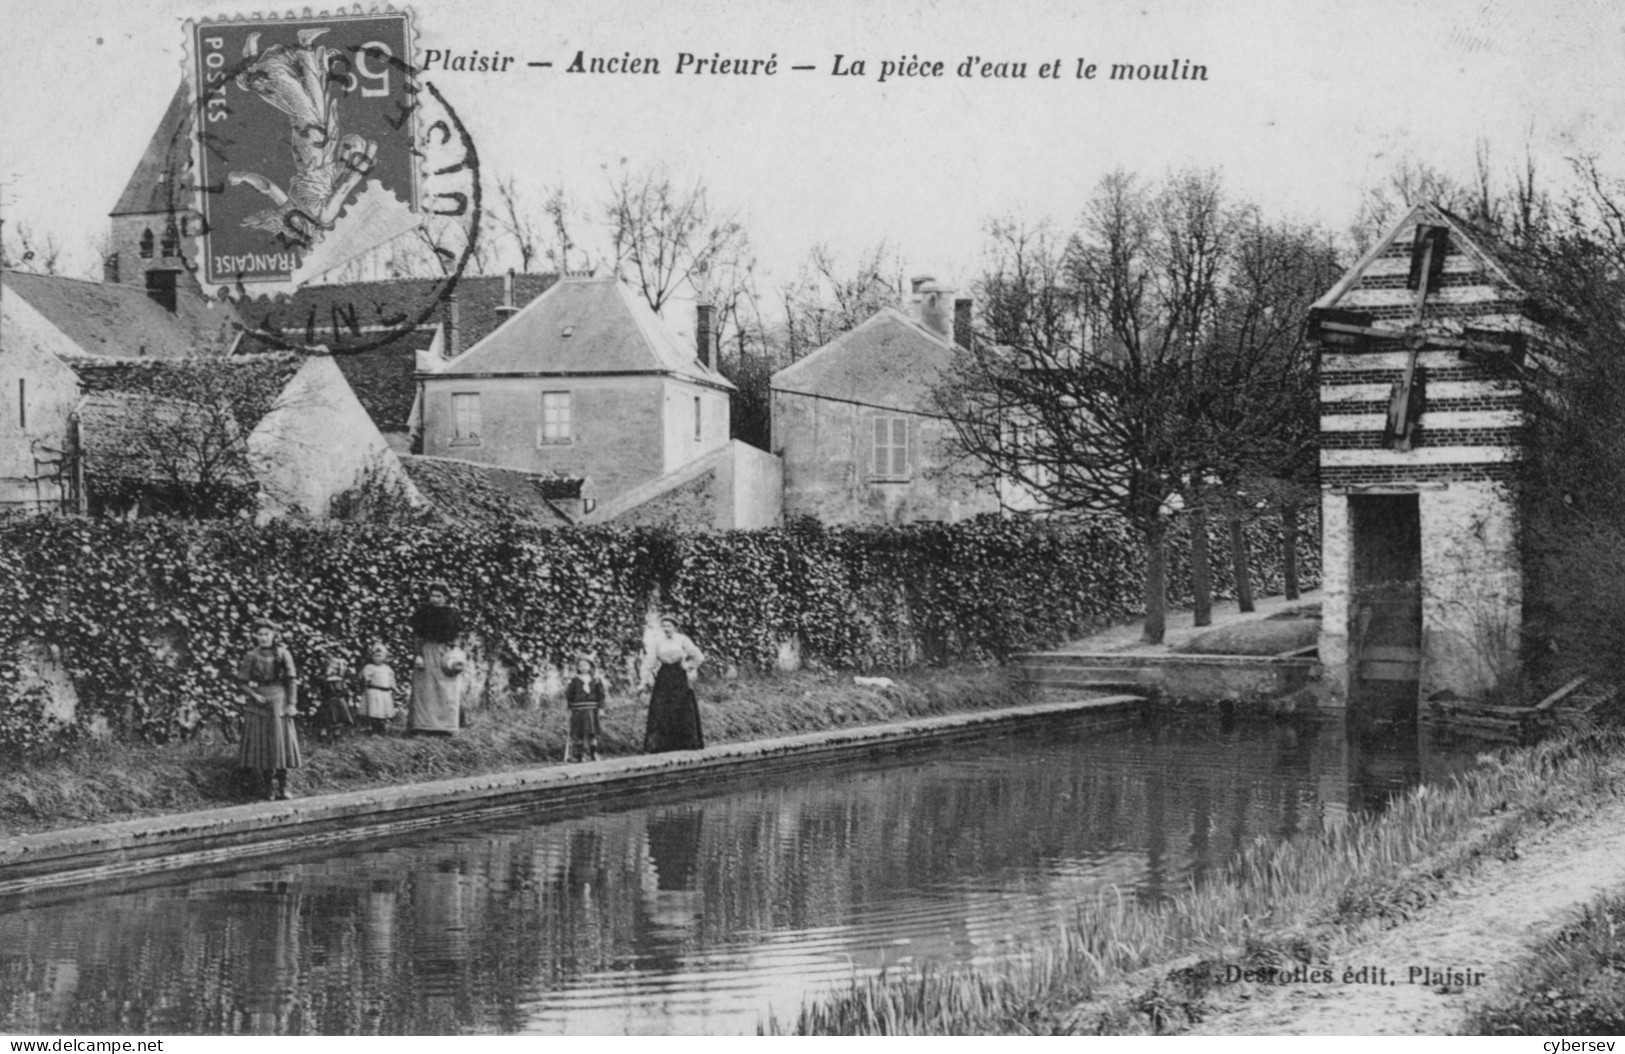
(103, 852)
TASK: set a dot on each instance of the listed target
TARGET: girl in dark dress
(585, 695)
(436, 706)
(674, 714)
(270, 745)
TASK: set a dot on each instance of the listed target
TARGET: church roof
(162, 169)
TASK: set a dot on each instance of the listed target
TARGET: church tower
(153, 224)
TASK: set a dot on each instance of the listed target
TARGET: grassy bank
(1573, 984)
(1276, 906)
(102, 781)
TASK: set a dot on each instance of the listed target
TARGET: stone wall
(618, 432)
(1472, 592)
(826, 447)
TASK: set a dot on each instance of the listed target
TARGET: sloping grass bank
(103, 781)
(1573, 984)
(1277, 905)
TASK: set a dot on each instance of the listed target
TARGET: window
(172, 241)
(22, 402)
(465, 418)
(890, 456)
(146, 244)
(558, 418)
(696, 419)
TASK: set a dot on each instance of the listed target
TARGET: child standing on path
(585, 695)
(378, 691)
(334, 718)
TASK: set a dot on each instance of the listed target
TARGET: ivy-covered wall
(149, 617)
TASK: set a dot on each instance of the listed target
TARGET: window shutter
(899, 446)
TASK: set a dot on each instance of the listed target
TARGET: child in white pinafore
(378, 691)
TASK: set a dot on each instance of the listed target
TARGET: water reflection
(694, 915)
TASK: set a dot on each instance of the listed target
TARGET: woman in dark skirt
(270, 746)
(674, 714)
(436, 706)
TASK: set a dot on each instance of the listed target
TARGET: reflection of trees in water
(462, 934)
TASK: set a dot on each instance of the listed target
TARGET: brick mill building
(1420, 433)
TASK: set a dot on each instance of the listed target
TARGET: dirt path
(1486, 924)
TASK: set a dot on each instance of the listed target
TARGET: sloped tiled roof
(585, 326)
(153, 184)
(332, 314)
(122, 321)
(263, 376)
(347, 315)
(888, 361)
(383, 378)
(471, 494)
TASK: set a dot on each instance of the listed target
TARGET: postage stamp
(305, 146)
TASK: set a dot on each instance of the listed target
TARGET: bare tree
(173, 437)
(827, 298)
(23, 248)
(513, 215)
(664, 233)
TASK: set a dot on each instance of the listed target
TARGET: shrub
(151, 616)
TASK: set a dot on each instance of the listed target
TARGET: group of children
(339, 711)
(584, 695)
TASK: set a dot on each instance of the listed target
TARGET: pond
(694, 914)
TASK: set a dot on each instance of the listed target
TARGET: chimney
(506, 311)
(454, 326)
(704, 345)
(110, 269)
(962, 321)
(161, 288)
(930, 306)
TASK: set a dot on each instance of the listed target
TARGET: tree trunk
(1238, 562)
(1201, 569)
(1156, 582)
(1289, 549)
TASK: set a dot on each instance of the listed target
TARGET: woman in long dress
(674, 713)
(436, 707)
(270, 745)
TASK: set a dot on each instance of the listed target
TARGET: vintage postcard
(597, 517)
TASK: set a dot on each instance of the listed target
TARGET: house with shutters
(587, 382)
(1420, 432)
(855, 426)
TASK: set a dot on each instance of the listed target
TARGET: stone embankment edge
(104, 852)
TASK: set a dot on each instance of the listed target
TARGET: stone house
(358, 324)
(855, 425)
(1420, 432)
(87, 363)
(585, 381)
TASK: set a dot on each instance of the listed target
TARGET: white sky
(1307, 103)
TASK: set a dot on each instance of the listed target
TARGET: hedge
(149, 617)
